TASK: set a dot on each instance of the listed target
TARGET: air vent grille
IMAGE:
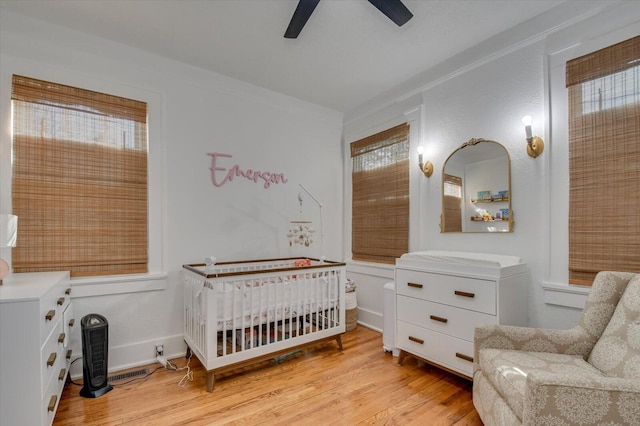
(128, 375)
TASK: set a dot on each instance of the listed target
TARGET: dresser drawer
(415, 284)
(457, 355)
(50, 401)
(466, 293)
(68, 323)
(52, 354)
(442, 318)
(418, 340)
(52, 305)
(446, 351)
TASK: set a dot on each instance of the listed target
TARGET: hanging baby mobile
(300, 231)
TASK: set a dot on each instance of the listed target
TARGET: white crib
(237, 313)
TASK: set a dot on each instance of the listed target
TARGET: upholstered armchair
(589, 374)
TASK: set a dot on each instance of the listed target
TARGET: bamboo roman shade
(79, 180)
(604, 161)
(380, 208)
(452, 203)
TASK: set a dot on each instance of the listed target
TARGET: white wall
(483, 93)
(192, 113)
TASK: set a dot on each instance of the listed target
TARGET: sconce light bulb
(420, 151)
(526, 120)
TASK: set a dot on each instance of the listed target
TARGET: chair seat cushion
(617, 352)
(507, 371)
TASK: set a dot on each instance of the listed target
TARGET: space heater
(95, 345)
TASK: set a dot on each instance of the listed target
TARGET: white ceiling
(347, 53)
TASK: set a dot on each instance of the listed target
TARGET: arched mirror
(476, 189)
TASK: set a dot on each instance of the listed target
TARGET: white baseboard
(370, 319)
(135, 355)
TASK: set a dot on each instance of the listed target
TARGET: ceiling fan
(393, 9)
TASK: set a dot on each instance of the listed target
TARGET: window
(380, 208)
(79, 180)
(604, 158)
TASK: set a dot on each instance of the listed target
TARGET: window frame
(561, 48)
(380, 139)
(83, 155)
(155, 278)
(593, 245)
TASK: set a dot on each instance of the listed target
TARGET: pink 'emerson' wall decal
(228, 174)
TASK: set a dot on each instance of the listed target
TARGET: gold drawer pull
(61, 338)
(435, 318)
(415, 285)
(69, 352)
(464, 294)
(61, 301)
(50, 315)
(67, 291)
(465, 357)
(52, 403)
(52, 359)
(72, 321)
(63, 374)
(415, 339)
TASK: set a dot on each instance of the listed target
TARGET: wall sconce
(535, 144)
(426, 168)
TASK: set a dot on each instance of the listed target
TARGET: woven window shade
(79, 180)
(604, 161)
(452, 203)
(380, 178)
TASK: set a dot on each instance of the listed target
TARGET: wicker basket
(352, 319)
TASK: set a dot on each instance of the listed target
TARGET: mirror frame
(511, 222)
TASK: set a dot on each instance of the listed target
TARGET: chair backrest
(617, 352)
(604, 296)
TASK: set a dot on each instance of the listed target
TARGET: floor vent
(128, 375)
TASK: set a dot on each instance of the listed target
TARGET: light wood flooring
(319, 385)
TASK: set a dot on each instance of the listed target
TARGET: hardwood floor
(319, 385)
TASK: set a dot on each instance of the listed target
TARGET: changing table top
(463, 262)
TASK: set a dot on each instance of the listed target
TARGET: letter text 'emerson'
(221, 175)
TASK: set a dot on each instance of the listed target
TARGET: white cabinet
(441, 296)
(36, 317)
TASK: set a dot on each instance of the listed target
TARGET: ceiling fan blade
(300, 17)
(394, 9)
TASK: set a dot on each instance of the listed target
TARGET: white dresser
(441, 296)
(36, 317)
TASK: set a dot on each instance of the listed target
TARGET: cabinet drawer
(414, 284)
(447, 351)
(52, 306)
(417, 340)
(69, 323)
(445, 319)
(52, 354)
(457, 355)
(463, 292)
(50, 399)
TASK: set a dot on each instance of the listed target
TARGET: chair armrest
(573, 341)
(555, 398)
